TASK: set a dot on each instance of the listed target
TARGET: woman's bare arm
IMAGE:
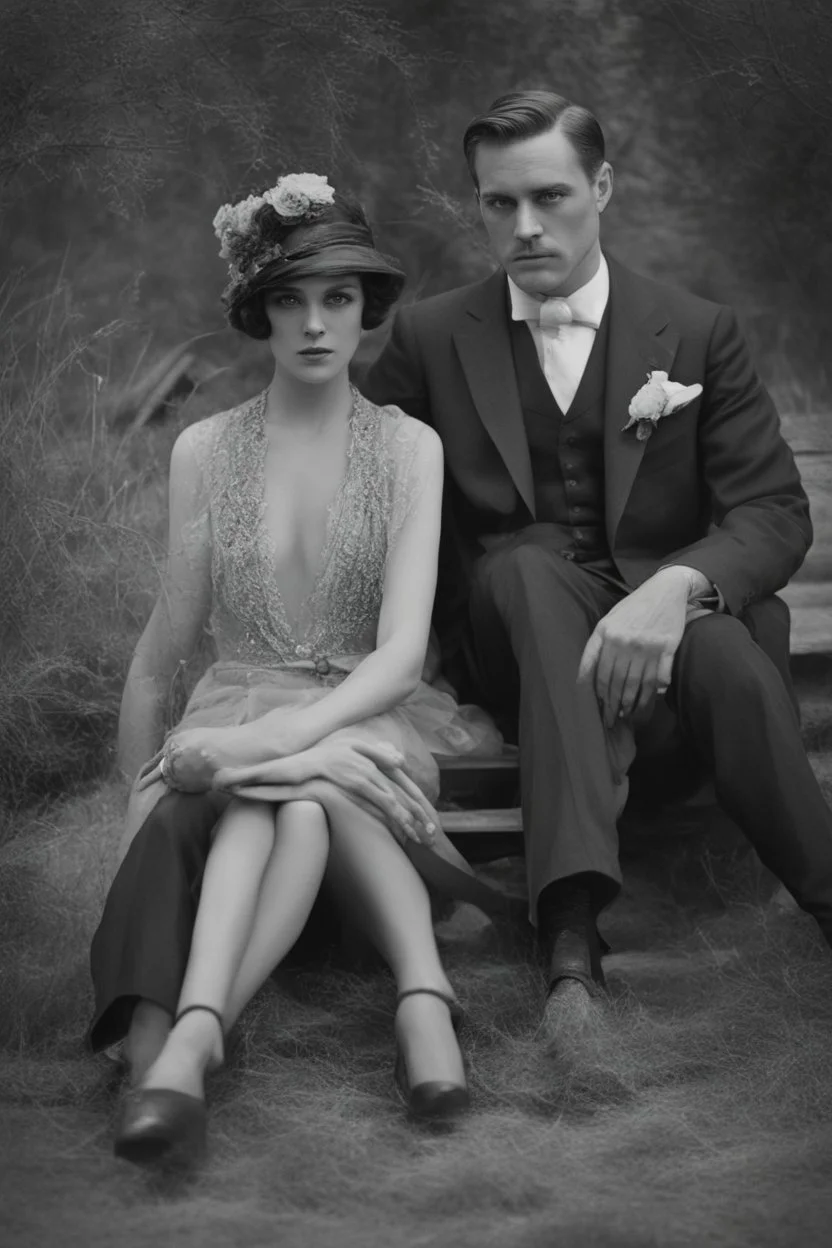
(181, 611)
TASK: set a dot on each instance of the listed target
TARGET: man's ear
(603, 186)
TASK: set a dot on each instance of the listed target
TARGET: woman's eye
(340, 299)
(284, 301)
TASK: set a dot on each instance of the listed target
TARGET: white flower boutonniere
(658, 397)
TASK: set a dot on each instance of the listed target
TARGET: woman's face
(316, 326)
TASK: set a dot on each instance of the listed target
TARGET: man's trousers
(532, 613)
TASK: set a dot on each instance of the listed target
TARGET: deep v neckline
(335, 602)
(295, 632)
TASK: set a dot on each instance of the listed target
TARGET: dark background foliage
(122, 127)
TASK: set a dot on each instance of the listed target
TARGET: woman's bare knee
(240, 808)
(241, 817)
(302, 817)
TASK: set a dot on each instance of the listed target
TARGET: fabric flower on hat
(297, 194)
(658, 397)
(264, 258)
(295, 197)
(233, 222)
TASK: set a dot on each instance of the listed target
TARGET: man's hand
(629, 657)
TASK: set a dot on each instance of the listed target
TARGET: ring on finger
(164, 769)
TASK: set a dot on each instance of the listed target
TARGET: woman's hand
(187, 761)
(370, 773)
(191, 757)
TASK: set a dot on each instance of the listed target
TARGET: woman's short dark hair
(525, 114)
(380, 292)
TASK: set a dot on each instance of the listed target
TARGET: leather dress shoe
(577, 956)
(434, 1100)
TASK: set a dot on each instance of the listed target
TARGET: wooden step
(810, 593)
(488, 781)
(810, 603)
(816, 474)
(470, 822)
(508, 760)
(807, 433)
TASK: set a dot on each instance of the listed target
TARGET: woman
(306, 524)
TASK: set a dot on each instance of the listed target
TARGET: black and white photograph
(415, 623)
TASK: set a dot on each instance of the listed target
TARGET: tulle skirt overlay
(430, 722)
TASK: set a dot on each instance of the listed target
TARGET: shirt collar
(588, 302)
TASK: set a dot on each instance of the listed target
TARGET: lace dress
(270, 656)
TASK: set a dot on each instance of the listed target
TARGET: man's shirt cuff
(708, 598)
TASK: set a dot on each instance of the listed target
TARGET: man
(595, 563)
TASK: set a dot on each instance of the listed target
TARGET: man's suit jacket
(715, 487)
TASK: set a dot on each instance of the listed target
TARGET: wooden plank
(459, 822)
(816, 474)
(810, 603)
(509, 760)
(807, 431)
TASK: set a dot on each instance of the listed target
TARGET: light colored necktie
(564, 354)
(555, 313)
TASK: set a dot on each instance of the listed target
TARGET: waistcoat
(566, 450)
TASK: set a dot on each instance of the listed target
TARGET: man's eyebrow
(537, 190)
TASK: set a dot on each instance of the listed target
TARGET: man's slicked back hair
(525, 114)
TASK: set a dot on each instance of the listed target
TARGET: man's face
(542, 212)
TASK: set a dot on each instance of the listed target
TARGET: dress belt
(321, 666)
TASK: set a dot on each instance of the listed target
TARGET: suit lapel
(640, 340)
(484, 346)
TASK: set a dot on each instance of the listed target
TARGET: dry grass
(80, 514)
(700, 1114)
(83, 514)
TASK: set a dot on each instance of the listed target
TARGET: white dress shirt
(563, 350)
